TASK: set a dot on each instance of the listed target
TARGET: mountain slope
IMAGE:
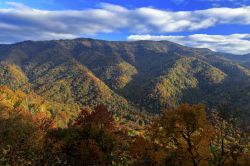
(59, 78)
(178, 84)
(244, 60)
(127, 76)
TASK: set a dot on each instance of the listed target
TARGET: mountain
(129, 77)
(244, 60)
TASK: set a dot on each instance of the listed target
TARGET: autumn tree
(90, 140)
(145, 152)
(186, 131)
(231, 141)
(21, 136)
(101, 118)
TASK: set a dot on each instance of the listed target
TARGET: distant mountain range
(129, 77)
(243, 60)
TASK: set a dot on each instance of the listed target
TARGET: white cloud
(17, 5)
(19, 22)
(235, 43)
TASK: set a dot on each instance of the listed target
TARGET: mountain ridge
(128, 75)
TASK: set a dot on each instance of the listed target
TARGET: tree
(145, 152)
(231, 140)
(100, 117)
(90, 140)
(21, 137)
(186, 130)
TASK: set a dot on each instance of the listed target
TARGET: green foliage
(169, 90)
(12, 76)
(128, 77)
(119, 75)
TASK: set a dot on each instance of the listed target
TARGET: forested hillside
(127, 76)
(244, 60)
(92, 102)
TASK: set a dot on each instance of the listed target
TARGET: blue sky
(221, 25)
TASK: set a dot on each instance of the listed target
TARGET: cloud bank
(109, 18)
(19, 22)
(235, 43)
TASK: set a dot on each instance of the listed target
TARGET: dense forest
(184, 136)
(94, 102)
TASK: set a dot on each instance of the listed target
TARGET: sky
(220, 25)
